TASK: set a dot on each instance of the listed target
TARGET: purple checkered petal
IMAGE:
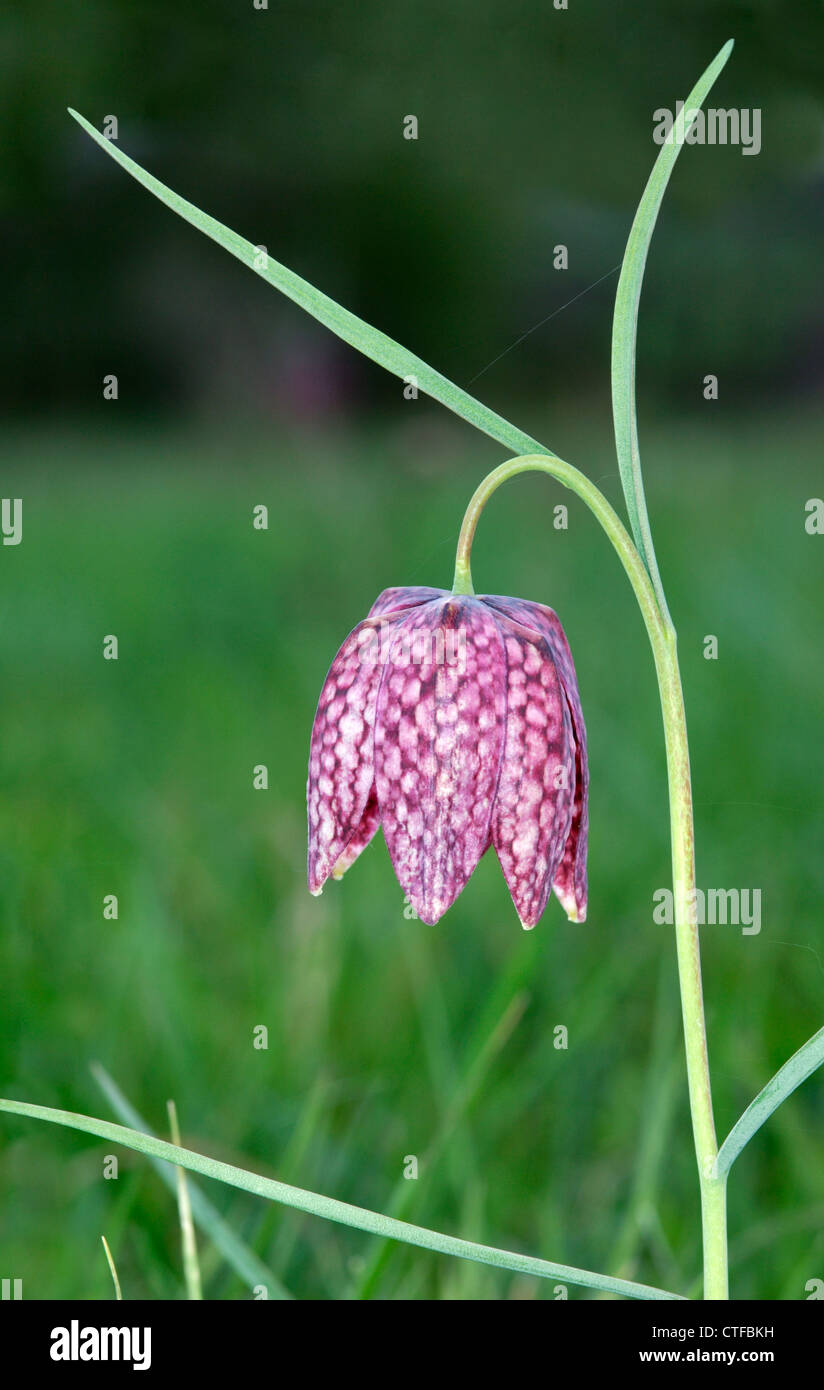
(363, 836)
(439, 731)
(341, 754)
(455, 723)
(536, 790)
(392, 600)
(570, 883)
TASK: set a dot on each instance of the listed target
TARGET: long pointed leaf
(370, 341)
(625, 321)
(329, 1207)
(801, 1065)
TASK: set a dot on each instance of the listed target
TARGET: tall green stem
(663, 642)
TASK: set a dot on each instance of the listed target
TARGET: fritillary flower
(454, 723)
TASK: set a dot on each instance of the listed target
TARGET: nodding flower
(454, 723)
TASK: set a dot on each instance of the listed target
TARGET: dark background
(535, 128)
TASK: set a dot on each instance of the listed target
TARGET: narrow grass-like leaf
(625, 321)
(801, 1065)
(191, 1266)
(118, 1293)
(368, 340)
(246, 1264)
(328, 1207)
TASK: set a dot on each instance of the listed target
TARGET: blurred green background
(388, 1038)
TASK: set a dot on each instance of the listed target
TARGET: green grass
(135, 778)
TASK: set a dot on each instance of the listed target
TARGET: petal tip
(576, 912)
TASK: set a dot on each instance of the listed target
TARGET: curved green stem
(663, 642)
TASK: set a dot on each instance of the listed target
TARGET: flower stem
(663, 642)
